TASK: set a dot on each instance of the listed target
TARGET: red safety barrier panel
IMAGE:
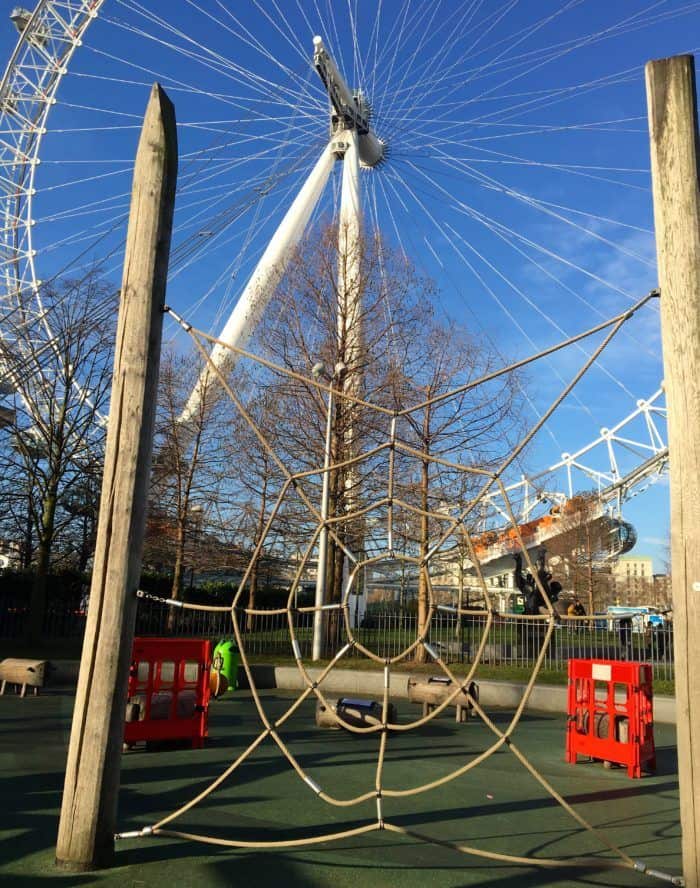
(168, 691)
(611, 714)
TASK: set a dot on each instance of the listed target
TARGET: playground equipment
(168, 691)
(610, 714)
(224, 663)
(23, 673)
(432, 691)
(356, 712)
(218, 683)
(351, 113)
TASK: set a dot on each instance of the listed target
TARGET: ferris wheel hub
(349, 110)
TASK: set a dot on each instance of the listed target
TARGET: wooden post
(673, 127)
(88, 813)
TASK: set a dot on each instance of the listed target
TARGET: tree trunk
(38, 597)
(176, 588)
(253, 579)
(589, 560)
(28, 542)
(252, 592)
(87, 542)
(459, 634)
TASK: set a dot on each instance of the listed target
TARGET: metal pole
(320, 597)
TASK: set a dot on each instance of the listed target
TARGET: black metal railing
(510, 642)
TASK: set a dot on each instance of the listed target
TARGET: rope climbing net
(454, 524)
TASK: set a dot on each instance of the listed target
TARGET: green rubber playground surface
(497, 807)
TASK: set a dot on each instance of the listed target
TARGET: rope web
(452, 526)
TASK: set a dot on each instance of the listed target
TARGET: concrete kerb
(365, 683)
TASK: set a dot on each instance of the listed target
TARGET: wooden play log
(356, 712)
(432, 690)
(25, 673)
(89, 808)
(675, 175)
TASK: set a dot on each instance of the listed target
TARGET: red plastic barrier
(610, 709)
(168, 691)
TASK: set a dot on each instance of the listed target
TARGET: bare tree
(61, 391)
(469, 429)
(402, 355)
(259, 480)
(359, 328)
(188, 478)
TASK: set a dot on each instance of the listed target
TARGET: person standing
(625, 635)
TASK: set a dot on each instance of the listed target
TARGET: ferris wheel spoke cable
(497, 17)
(579, 170)
(575, 293)
(625, 27)
(587, 40)
(461, 82)
(450, 131)
(358, 69)
(195, 251)
(488, 181)
(542, 101)
(373, 46)
(493, 225)
(221, 186)
(109, 204)
(456, 31)
(287, 71)
(405, 104)
(599, 364)
(252, 41)
(502, 158)
(235, 101)
(499, 302)
(72, 265)
(294, 40)
(426, 33)
(488, 221)
(263, 90)
(249, 119)
(457, 287)
(538, 100)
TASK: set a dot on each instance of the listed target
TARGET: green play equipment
(225, 659)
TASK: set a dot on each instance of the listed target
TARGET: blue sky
(517, 177)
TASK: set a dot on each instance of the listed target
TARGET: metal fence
(510, 642)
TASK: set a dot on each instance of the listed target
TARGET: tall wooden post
(88, 813)
(673, 126)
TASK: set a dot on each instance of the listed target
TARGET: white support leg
(350, 260)
(350, 336)
(350, 221)
(264, 280)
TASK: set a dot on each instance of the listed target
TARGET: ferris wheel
(502, 150)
